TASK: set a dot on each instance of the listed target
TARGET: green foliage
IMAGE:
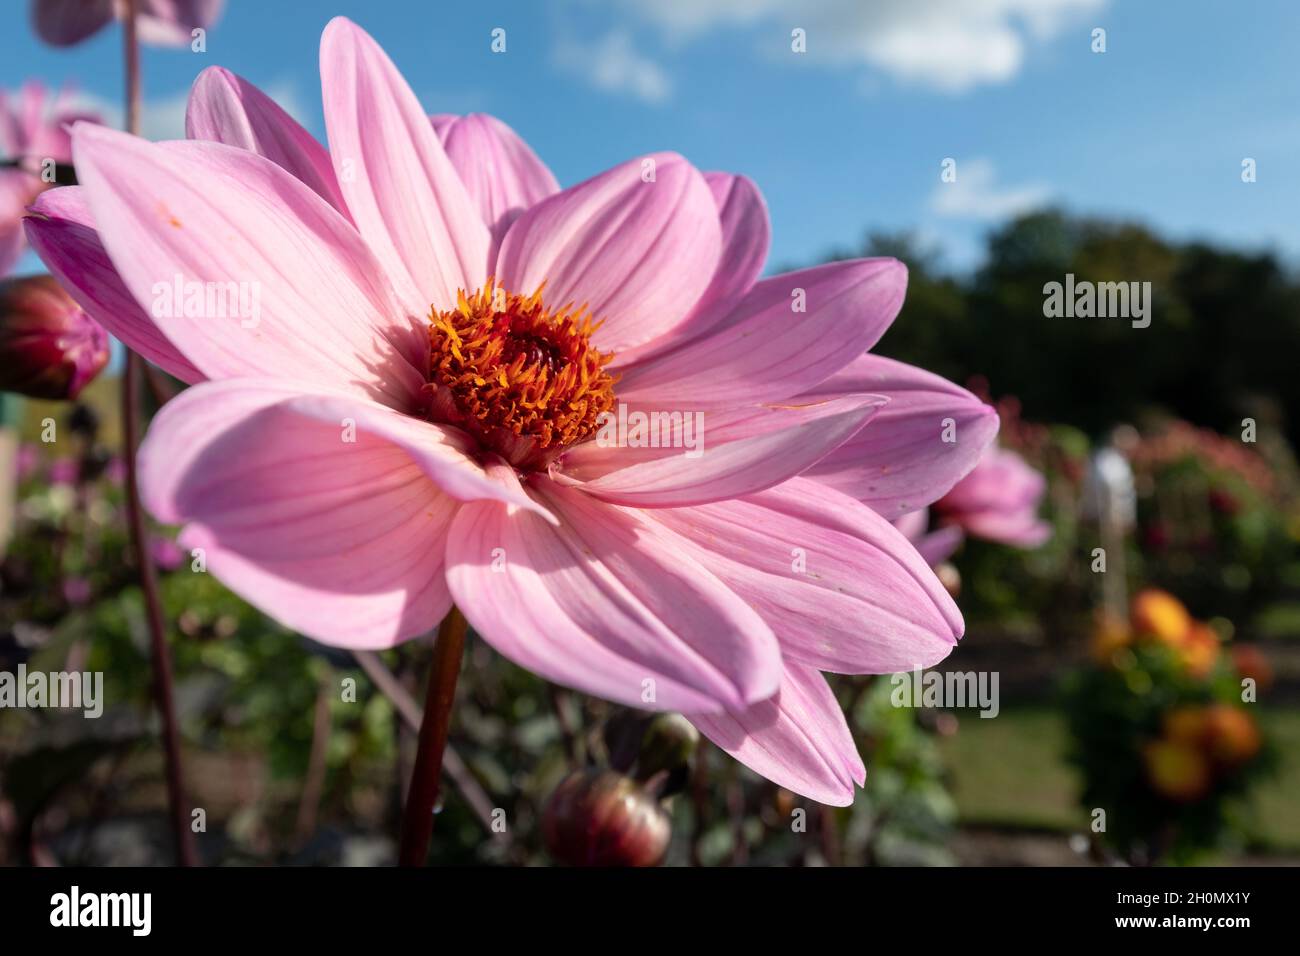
(1118, 713)
(1221, 345)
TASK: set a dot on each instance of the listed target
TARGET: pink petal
(748, 451)
(16, 188)
(746, 236)
(999, 501)
(766, 351)
(502, 174)
(639, 254)
(63, 233)
(316, 306)
(1019, 530)
(939, 545)
(902, 462)
(608, 604)
(403, 193)
(226, 108)
(798, 739)
(841, 587)
(343, 541)
(933, 546)
(65, 22)
(442, 124)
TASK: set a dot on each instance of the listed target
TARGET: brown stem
(160, 652)
(314, 783)
(409, 712)
(567, 734)
(160, 386)
(830, 837)
(417, 825)
(131, 53)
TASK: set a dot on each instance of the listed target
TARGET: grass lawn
(1011, 770)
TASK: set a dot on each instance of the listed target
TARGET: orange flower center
(523, 379)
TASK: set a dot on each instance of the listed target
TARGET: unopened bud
(602, 818)
(49, 348)
(669, 743)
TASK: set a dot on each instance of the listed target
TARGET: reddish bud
(49, 348)
(601, 818)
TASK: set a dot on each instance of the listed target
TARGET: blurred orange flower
(1160, 615)
(1199, 649)
(1177, 770)
(1231, 735)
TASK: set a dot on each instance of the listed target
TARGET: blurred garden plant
(1164, 733)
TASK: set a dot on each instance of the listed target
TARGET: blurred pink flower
(999, 501)
(934, 546)
(28, 461)
(49, 347)
(166, 553)
(411, 421)
(32, 133)
(64, 471)
(76, 590)
(159, 22)
(115, 472)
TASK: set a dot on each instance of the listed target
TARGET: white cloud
(612, 64)
(975, 194)
(946, 45)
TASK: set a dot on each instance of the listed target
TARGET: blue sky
(845, 138)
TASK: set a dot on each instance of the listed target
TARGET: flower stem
(475, 796)
(160, 652)
(417, 823)
(131, 55)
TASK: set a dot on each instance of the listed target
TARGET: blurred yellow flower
(1177, 770)
(1160, 615)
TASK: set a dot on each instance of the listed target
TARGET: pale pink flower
(998, 501)
(369, 451)
(159, 22)
(33, 133)
(935, 546)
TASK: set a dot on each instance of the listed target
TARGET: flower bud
(669, 743)
(601, 818)
(49, 348)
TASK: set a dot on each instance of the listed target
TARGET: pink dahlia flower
(159, 22)
(32, 133)
(999, 501)
(416, 417)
